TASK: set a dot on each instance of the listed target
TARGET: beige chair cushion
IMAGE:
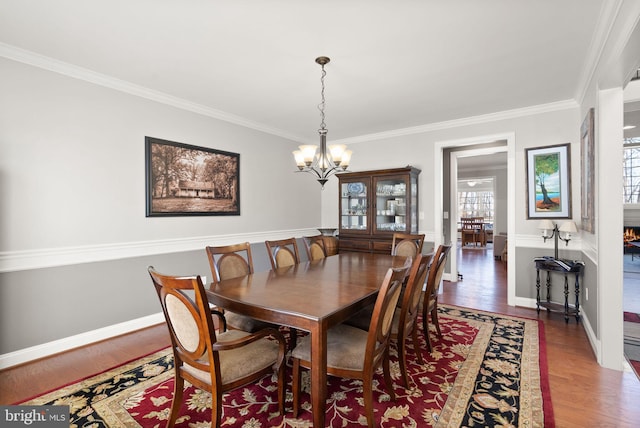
(346, 347)
(317, 252)
(406, 248)
(242, 361)
(285, 257)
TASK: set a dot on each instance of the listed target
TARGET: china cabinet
(375, 204)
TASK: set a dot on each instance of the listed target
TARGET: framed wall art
(185, 180)
(587, 161)
(549, 182)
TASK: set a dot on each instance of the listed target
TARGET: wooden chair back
(315, 247)
(407, 244)
(283, 252)
(200, 357)
(405, 320)
(230, 261)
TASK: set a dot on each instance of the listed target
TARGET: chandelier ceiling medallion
(322, 163)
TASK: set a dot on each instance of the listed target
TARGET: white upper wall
(72, 167)
(537, 129)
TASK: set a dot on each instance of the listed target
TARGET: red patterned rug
(486, 370)
(631, 317)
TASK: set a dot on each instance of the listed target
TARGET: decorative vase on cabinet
(375, 204)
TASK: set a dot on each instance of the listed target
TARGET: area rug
(632, 340)
(631, 317)
(486, 370)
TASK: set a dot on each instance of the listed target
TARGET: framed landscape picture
(184, 180)
(548, 182)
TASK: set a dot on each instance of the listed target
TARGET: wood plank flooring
(583, 393)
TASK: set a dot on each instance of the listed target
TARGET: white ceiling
(393, 65)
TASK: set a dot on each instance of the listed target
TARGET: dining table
(311, 296)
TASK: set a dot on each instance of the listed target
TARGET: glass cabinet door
(354, 204)
(392, 204)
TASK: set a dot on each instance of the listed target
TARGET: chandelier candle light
(551, 230)
(323, 164)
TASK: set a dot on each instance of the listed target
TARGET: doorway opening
(448, 156)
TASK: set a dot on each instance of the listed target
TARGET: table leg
(318, 375)
(566, 298)
(577, 292)
(538, 290)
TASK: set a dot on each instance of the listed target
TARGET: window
(476, 198)
(631, 171)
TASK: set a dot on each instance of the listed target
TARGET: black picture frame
(587, 158)
(186, 180)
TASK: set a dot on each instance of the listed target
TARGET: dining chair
(430, 300)
(315, 247)
(283, 252)
(407, 244)
(232, 261)
(467, 231)
(354, 353)
(405, 324)
(216, 363)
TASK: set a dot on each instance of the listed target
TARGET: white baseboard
(56, 346)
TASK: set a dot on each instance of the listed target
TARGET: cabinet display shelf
(375, 204)
(566, 268)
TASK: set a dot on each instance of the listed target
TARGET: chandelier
(322, 163)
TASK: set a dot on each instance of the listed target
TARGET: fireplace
(631, 239)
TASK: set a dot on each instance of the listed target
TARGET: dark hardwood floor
(583, 393)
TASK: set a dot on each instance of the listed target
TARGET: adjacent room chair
(430, 299)
(232, 261)
(354, 353)
(315, 247)
(407, 244)
(215, 363)
(283, 252)
(472, 231)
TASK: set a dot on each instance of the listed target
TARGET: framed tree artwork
(587, 218)
(549, 182)
(185, 180)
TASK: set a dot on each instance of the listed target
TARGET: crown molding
(80, 73)
(468, 121)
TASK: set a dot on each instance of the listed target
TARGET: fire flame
(631, 234)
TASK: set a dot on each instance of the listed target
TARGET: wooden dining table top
(312, 296)
(313, 291)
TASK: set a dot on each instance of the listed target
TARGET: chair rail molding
(12, 261)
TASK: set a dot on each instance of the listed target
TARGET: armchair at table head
(283, 252)
(216, 363)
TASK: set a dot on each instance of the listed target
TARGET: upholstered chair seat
(240, 362)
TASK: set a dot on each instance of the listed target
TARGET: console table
(565, 267)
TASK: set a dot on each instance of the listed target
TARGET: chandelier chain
(322, 102)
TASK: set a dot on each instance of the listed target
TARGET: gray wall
(52, 303)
